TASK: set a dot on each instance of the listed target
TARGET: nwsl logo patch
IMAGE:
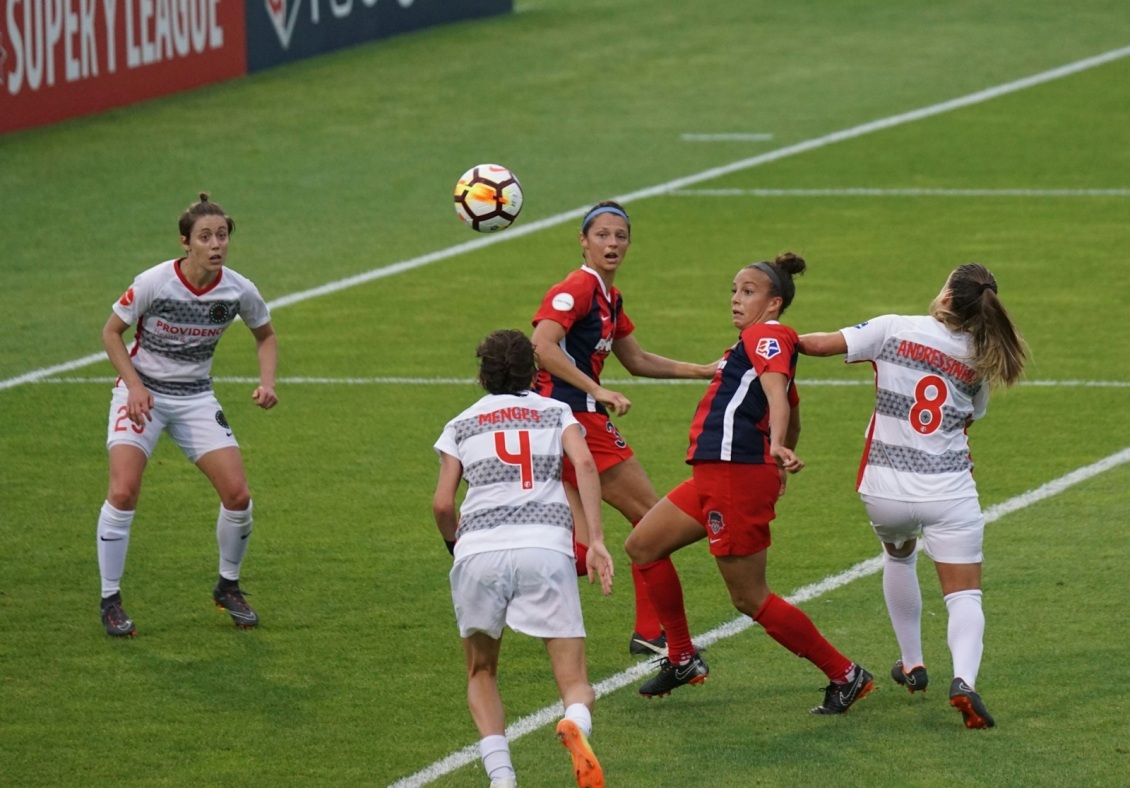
(767, 347)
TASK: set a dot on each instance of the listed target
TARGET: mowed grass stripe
(670, 186)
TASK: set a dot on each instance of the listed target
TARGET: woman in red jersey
(742, 443)
(581, 320)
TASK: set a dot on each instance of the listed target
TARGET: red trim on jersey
(870, 435)
(192, 289)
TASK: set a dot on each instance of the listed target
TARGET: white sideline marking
(731, 137)
(548, 715)
(653, 191)
(393, 381)
(865, 192)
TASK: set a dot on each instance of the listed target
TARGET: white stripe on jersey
(178, 329)
(510, 449)
(731, 408)
(926, 388)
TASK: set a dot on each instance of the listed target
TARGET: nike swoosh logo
(245, 536)
(685, 671)
(104, 539)
(963, 687)
(228, 434)
(714, 541)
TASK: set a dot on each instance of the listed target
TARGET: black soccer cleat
(838, 698)
(641, 646)
(672, 676)
(969, 703)
(115, 619)
(230, 598)
(914, 680)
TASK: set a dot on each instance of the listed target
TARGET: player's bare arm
(599, 560)
(140, 401)
(776, 391)
(831, 343)
(267, 349)
(546, 340)
(644, 364)
(443, 503)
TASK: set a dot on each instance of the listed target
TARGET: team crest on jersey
(222, 420)
(768, 347)
(714, 522)
(218, 313)
(127, 298)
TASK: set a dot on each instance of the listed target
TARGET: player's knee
(123, 495)
(749, 600)
(637, 551)
(236, 500)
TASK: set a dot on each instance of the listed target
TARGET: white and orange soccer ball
(488, 198)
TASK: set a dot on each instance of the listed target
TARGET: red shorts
(734, 502)
(604, 441)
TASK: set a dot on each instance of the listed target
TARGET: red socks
(665, 592)
(790, 627)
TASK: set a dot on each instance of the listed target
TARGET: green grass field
(342, 165)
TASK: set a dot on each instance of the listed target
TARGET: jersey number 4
(524, 459)
(926, 412)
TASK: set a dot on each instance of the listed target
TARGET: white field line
(550, 714)
(664, 188)
(865, 192)
(394, 381)
(727, 137)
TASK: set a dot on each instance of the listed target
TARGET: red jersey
(593, 317)
(731, 423)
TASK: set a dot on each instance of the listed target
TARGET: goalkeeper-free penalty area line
(550, 714)
(518, 231)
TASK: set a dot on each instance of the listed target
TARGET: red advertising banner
(64, 58)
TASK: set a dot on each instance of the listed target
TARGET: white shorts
(952, 531)
(529, 589)
(196, 423)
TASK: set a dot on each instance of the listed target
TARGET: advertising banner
(64, 58)
(279, 31)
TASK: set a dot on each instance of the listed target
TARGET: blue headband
(595, 212)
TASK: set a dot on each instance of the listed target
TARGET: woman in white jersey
(933, 374)
(512, 539)
(181, 308)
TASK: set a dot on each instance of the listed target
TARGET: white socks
(113, 542)
(580, 714)
(904, 605)
(495, 752)
(232, 532)
(966, 633)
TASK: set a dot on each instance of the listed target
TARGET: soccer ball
(488, 198)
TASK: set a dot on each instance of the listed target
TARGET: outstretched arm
(826, 344)
(644, 364)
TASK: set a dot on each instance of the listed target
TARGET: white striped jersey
(917, 448)
(178, 326)
(510, 449)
